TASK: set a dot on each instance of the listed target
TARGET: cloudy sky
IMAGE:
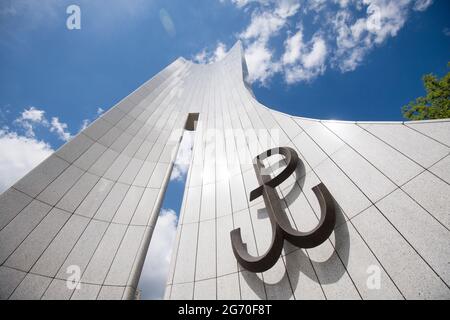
(329, 59)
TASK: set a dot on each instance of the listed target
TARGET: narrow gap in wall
(152, 283)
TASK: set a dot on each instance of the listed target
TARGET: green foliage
(436, 104)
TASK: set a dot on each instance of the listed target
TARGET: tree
(436, 104)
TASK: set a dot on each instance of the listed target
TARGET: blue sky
(327, 59)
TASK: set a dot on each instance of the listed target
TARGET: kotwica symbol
(281, 227)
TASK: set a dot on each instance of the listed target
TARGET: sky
(326, 59)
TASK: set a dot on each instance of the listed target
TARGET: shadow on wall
(297, 261)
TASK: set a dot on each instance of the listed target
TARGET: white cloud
(29, 119)
(18, 155)
(265, 24)
(303, 61)
(422, 5)
(100, 111)
(341, 34)
(156, 267)
(183, 160)
(32, 118)
(60, 128)
(205, 56)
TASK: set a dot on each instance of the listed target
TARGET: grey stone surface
(24, 257)
(9, 280)
(20, 227)
(407, 141)
(58, 188)
(53, 257)
(412, 276)
(118, 273)
(71, 151)
(111, 293)
(437, 130)
(32, 287)
(183, 291)
(36, 181)
(86, 292)
(442, 169)
(57, 290)
(103, 257)
(205, 290)
(11, 203)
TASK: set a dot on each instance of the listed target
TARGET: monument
(79, 225)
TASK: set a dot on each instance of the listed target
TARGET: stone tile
(423, 232)
(146, 208)
(412, 276)
(158, 175)
(37, 241)
(433, 194)
(35, 181)
(309, 150)
(226, 262)
(55, 254)
(112, 202)
(84, 248)
(94, 199)
(58, 290)
(252, 287)
(191, 205)
(406, 141)
(184, 291)
(238, 195)
(9, 280)
(104, 254)
(119, 271)
(208, 204)
(86, 292)
(128, 206)
(31, 288)
(439, 131)
(205, 290)
(332, 274)
(11, 203)
(185, 261)
(442, 169)
(361, 264)
(111, 293)
(346, 194)
(288, 124)
(104, 162)
(57, 189)
(71, 151)
(371, 181)
(276, 282)
(78, 192)
(20, 227)
(206, 251)
(144, 174)
(90, 156)
(302, 276)
(228, 287)
(131, 171)
(387, 159)
(117, 167)
(320, 134)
